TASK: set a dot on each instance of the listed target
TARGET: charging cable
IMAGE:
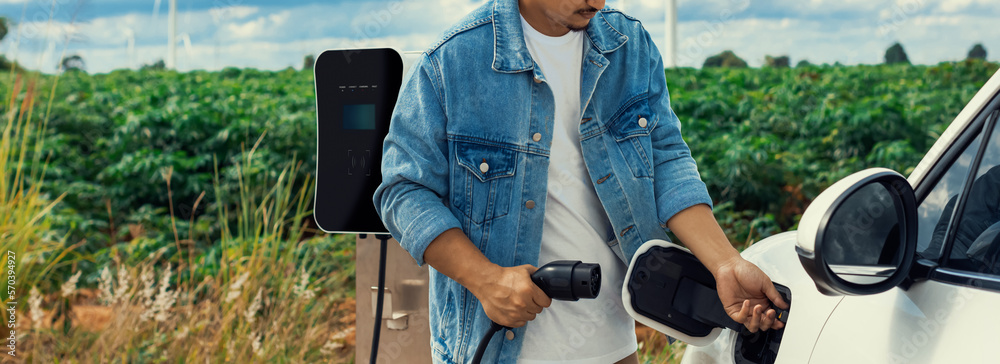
(380, 295)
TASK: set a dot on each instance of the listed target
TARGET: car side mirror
(859, 236)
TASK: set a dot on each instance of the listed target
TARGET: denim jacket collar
(510, 54)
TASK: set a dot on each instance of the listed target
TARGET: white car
(883, 269)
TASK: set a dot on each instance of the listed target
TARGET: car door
(945, 311)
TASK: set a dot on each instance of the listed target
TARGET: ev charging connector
(564, 280)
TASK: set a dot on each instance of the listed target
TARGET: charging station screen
(359, 117)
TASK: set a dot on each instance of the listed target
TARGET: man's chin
(578, 27)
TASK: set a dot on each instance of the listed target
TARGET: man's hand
(744, 290)
(511, 299)
(508, 295)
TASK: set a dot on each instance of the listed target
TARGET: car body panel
(932, 322)
(809, 312)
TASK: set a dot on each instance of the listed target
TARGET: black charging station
(356, 91)
(355, 94)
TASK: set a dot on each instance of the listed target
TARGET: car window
(936, 209)
(976, 244)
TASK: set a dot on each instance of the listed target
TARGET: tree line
(895, 54)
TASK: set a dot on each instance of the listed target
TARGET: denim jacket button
(537, 137)
(510, 335)
(530, 204)
(642, 122)
(484, 167)
(538, 80)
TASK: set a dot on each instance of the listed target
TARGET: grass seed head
(35, 305)
(121, 290)
(255, 343)
(254, 307)
(234, 288)
(70, 285)
(148, 292)
(165, 299)
(300, 290)
(104, 286)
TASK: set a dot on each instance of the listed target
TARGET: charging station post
(405, 328)
(356, 91)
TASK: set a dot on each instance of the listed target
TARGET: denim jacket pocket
(630, 128)
(482, 180)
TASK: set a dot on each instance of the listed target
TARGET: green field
(182, 201)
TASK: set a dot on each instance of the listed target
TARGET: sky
(213, 34)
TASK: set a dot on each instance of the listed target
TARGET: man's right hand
(511, 299)
(508, 295)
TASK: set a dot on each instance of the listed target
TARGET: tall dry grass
(31, 252)
(263, 306)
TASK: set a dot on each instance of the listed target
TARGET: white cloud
(813, 7)
(273, 55)
(951, 6)
(233, 12)
(822, 31)
(927, 40)
(278, 37)
(255, 28)
(115, 30)
(932, 20)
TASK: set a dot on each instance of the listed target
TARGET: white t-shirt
(575, 226)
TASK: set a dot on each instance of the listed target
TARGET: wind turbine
(670, 34)
(172, 36)
(669, 30)
(188, 49)
(171, 61)
(130, 46)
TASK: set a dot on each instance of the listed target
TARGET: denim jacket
(468, 147)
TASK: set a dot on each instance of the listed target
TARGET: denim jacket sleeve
(414, 186)
(677, 184)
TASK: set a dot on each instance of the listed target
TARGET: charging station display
(356, 91)
(359, 117)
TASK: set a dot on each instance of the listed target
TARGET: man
(538, 130)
